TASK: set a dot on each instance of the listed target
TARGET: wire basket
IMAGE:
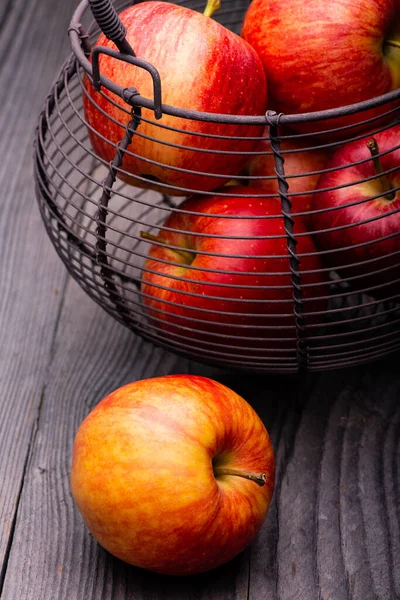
(260, 289)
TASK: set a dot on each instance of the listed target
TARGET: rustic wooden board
(331, 533)
(337, 497)
(32, 44)
(333, 530)
(93, 355)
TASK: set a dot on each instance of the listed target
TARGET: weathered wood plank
(332, 529)
(337, 495)
(32, 44)
(330, 533)
(52, 555)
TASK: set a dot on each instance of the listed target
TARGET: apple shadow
(131, 582)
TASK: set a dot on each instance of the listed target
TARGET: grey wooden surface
(333, 530)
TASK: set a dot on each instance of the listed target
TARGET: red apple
(203, 67)
(302, 165)
(361, 212)
(174, 474)
(320, 55)
(227, 286)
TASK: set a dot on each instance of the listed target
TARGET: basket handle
(111, 25)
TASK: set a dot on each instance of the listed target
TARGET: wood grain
(333, 530)
(337, 496)
(93, 355)
(32, 43)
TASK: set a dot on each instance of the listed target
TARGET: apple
(173, 474)
(302, 165)
(320, 55)
(356, 216)
(219, 275)
(203, 67)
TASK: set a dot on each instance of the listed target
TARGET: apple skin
(143, 479)
(351, 217)
(165, 285)
(320, 55)
(300, 158)
(204, 67)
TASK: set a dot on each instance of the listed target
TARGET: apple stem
(186, 255)
(232, 182)
(372, 145)
(392, 43)
(258, 478)
(212, 6)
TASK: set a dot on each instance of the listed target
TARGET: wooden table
(333, 530)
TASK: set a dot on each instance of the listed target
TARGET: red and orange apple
(359, 200)
(203, 67)
(219, 275)
(320, 55)
(302, 163)
(174, 474)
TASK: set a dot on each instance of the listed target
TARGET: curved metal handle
(111, 25)
(129, 93)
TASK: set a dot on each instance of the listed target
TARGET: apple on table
(203, 67)
(320, 55)
(174, 474)
(359, 218)
(218, 277)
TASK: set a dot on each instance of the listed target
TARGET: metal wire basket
(271, 302)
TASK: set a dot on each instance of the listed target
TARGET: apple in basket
(359, 202)
(174, 474)
(302, 163)
(218, 274)
(203, 67)
(320, 55)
